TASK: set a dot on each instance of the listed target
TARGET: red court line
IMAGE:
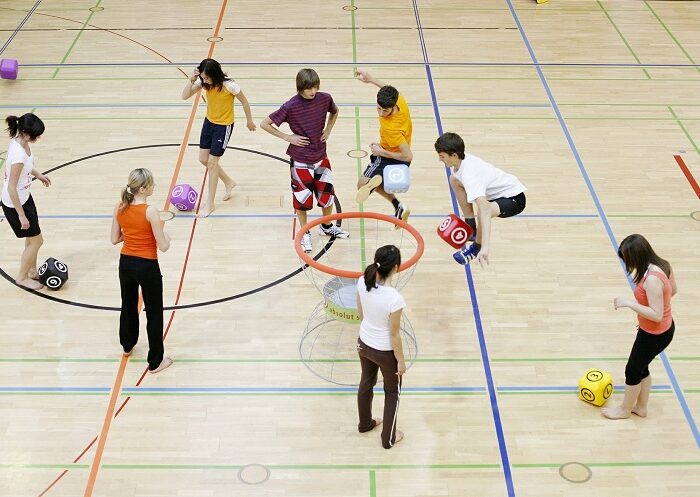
(688, 175)
(110, 414)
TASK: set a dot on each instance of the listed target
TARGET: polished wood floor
(594, 105)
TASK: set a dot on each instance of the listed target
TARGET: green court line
(352, 467)
(687, 134)
(77, 37)
(671, 34)
(629, 47)
(372, 484)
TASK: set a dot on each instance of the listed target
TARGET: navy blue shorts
(377, 165)
(215, 137)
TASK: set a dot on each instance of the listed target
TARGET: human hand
(483, 256)
(364, 76)
(45, 180)
(24, 222)
(299, 141)
(195, 75)
(620, 302)
(376, 149)
(326, 133)
(400, 368)
(251, 125)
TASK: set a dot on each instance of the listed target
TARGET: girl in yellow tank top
(221, 93)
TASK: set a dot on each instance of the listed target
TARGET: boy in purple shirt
(305, 113)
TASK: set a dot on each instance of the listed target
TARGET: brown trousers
(372, 360)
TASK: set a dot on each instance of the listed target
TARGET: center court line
(663, 356)
(492, 392)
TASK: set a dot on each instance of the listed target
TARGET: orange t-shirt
(139, 240)
(641, 295)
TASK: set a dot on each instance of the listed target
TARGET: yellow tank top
(220, 106)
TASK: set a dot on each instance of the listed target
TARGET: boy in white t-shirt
(475, 181)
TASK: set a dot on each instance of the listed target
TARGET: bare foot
(640, 411)
(399, 436)
(377, 422)
(205, 211)
(165, 363)
(30, 283)
(230, 187)
(615, 412)
(32, 274)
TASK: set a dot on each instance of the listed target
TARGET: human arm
(484, 233)
(404, 154)
(655, 294)
(672, 280)
(15, 171)
(299, 141)
(191, 87)
(246, 108)
(162, 238)
(116, 236)
(332, 118)
(359, 307)
(45, 180)
(396, 344)
(366, 77)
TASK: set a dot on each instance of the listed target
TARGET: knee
(38, 241)
(633, 375)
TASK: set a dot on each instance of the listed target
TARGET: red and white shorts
(309, 180)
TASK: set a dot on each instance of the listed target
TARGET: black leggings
(646, 347)
(135, 272)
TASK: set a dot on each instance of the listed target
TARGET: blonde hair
(138, 178)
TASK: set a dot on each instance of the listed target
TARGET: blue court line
(664, 358)
(178, 105)
(292, 390)
(19, 27)
(358, 63)
(502, 447)
(291, 216)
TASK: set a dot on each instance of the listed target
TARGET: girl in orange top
(138, 225)
(655, 285)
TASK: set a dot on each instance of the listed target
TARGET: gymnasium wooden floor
(594, 105)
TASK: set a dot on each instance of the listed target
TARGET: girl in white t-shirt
(379, 345)
(17, 202)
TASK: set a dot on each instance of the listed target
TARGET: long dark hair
(636, 252)
(29, 124)
(386, 258)
(212, 68)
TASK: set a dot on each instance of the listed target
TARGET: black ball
(53, 274)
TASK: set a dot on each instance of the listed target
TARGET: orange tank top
(641, 295)
(138, 233)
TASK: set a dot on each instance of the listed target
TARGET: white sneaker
(333, 231)
(306, 242)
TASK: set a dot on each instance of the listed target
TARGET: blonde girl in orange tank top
(138, 226)
(655, 285)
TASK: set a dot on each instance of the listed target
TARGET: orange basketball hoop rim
(309, 260)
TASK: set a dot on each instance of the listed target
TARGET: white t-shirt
(231, 86)
(376, 307)
(16, 155)
(481, 179)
